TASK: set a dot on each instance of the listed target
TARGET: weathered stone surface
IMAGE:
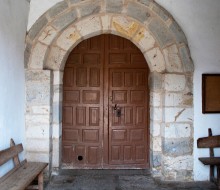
(76, 1)
(174, 82)
(57, 130)
(161, 32)
(89, 8)
(178, 163)
(37, 120)
(155, 128)
(156, 160)
(155, 81)
(114, 6)
(89, 27)
(186, 59)
(37, 76)
(56, 153)
(58, 78)
(37, 131)
(57, 9)
(155, 99)
(65, 19)
(184, 175)
(160, 12)
(174, 99)
(178, 115)
(145, 2)
(172, 59)
(27, 54)
(155, 60)
(38, 93)
(57, 113)
(56, 58)
(37, 57)
(124, 26)
(144, 39)
(156, 141)
(48, 35)
(156, 114)
(40, 109)
(68, 38)
(178, 33)
(177, 130)
(178, 147)
(37, 27)
(136, 11)
(106, 21)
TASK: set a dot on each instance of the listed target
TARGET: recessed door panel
(105, 105)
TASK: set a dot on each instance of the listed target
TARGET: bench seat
(23, 176)
(213, 161)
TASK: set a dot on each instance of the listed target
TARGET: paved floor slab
(118, 180)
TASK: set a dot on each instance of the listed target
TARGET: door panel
(105, 105)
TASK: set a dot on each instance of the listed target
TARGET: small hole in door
(80, 158)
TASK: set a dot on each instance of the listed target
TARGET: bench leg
(41, 181)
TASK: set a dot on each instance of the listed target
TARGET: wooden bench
(211, 142)
(23, 173)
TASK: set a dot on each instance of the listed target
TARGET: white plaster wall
(200, 20)
(13, 23)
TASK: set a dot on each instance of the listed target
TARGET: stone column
(38, 115)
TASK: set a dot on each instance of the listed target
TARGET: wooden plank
(210, 161)
(209, 142)
(9, 153)
(15, 158)
(20, 179)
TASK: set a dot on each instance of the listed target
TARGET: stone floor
(117, 180)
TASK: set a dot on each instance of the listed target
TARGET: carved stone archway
(164, 45)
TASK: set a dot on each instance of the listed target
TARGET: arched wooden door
(105, 105)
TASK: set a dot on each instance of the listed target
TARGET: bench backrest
(209, 142)
(10, 153)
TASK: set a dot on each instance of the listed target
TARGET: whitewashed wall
(200, 20)
(13, 23)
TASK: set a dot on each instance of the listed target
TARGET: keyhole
(80, 158)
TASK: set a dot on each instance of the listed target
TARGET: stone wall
(164, 46)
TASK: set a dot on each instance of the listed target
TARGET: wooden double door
(105, 105)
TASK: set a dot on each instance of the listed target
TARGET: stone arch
(158, 36)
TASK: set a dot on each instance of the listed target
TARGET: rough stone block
(155, 99)
(106, 21)
(42, 76)
(37, 119)
(144, 39)
(40, 109)
(178, 163)
(37, 131)
(156, 160)
(155, 129)
(37, 27)
(27, 54)
(56, 59)
(186, 59)
(178, 147)
(178, 115)
(124, 26)
(155, 81)
(41, 145)
(177, 130)
(92, 7)
(174, 82)
(38, 55)
(57, 9)
(145, 2)
(76, 1)
(57, 113)
(38, 93)
(157, 144)
(57, 78)
(48, 35)
(65, 19)
(155, 60)
(56, 153)
(57, 131)
(161, 12)
(174, 99)
(178, 33)
(89, 27)
(114, 6)
(68, 38)
(172, 59)
(156, 114)
(136, 11)
(161, 32)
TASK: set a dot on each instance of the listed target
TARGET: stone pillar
(38, 115)
(177, 131)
